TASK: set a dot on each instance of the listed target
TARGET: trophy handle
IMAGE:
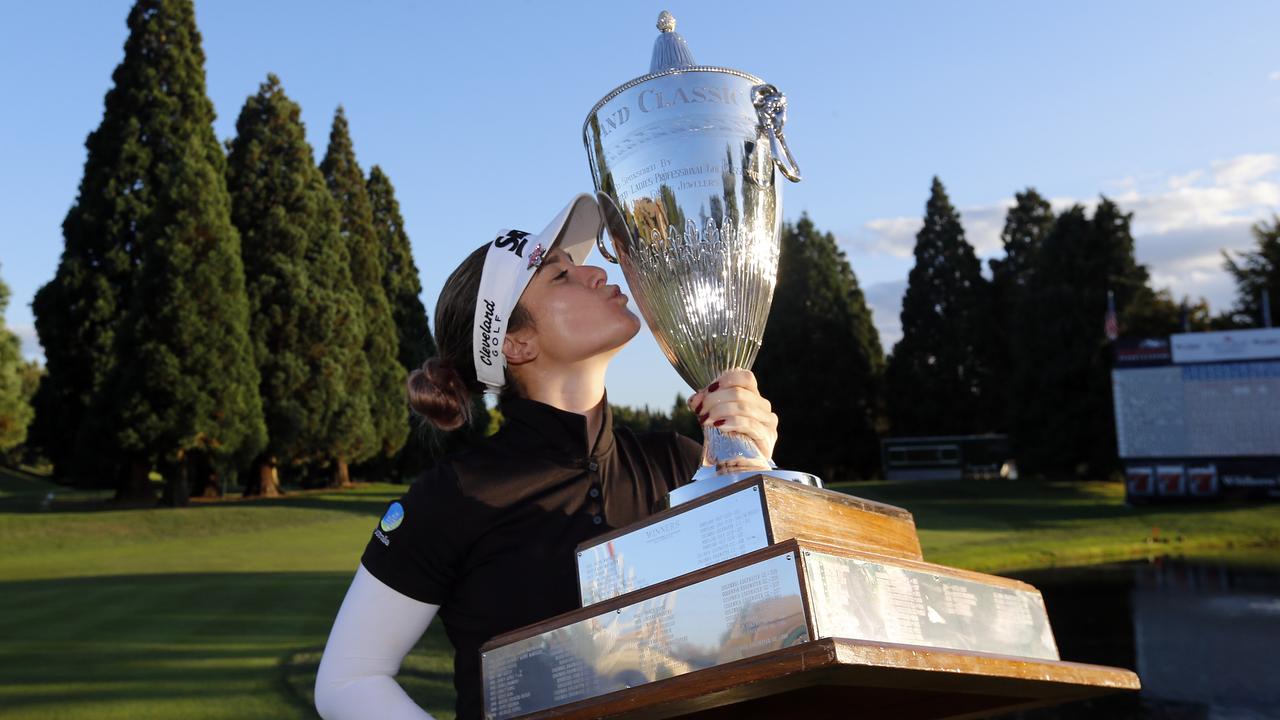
(771, 107)
(614, 221)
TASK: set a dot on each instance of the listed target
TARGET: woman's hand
(733, 404)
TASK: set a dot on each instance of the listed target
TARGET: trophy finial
(669, 49)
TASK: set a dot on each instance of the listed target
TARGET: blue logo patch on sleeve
(392, 519)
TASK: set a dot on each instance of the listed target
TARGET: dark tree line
(222, 311)
(1024, 351)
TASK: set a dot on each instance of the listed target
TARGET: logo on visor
(489, 328)
(535, 257)
(513, 241)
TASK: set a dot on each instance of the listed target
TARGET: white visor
(513, 258)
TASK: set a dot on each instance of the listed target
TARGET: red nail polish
(719, 422)
(703, 417)
(713, 386)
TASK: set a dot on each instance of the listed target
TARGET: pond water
(1204, 636)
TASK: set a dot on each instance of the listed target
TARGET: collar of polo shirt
(513, 258)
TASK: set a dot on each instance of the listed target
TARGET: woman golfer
(486, 539)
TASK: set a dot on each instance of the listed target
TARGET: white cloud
(1275, 75)
(885, 301)
(1244, 169)
(1177, 182)
(1181, 224)
(31, 348)
(896, 236)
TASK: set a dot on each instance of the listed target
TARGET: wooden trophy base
(773, 599)
(842, 678)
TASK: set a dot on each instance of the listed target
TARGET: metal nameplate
(719, 530)
(742, 613)
(864, 600)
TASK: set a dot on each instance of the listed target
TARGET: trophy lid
(671, 55)
(669, 49)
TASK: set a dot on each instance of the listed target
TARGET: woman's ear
(520, 346)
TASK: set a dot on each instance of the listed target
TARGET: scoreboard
(1199, 414)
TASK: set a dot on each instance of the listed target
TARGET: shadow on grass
(1026, 504)
(168, 645)
(364, 499)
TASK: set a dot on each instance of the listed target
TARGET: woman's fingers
(759, 433)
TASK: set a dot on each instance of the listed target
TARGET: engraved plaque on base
(864, 600)
(741, 613)
(686, 541)
(746, 516)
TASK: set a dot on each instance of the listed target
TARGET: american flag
(1110, 325)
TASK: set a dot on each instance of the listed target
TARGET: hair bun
(438, 393)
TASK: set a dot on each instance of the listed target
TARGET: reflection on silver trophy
(684, 161)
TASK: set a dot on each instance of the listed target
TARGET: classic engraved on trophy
(684, 163)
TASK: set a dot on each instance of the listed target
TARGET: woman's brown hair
(441, 389)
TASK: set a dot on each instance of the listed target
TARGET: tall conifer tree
(381, 343)
(129, 193)
(401, 282)
(306, 326)
(184, 388)
(1062, 364)
(820, 362)
(935, 376)
(15, 411)
(400, 278)
(1025, 227)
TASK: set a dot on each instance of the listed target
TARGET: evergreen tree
(381, 343)
(306, 324)
(15, 410)
(1256, 272)
(935, 376)
(1157, 314)
(820, 361)
(400, 282)
(183, 388)
(1025, 227)
(1062, 369)
(400, 279)
(127, 194)
(684, 420)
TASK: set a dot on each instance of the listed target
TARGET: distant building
(947, 457)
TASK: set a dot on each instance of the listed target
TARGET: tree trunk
(203, 475)
(134, 484)
(341, 474)
(264, 480)
(177, 489)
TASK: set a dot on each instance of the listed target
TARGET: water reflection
(1204, 637)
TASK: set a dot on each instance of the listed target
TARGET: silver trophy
(684, 161)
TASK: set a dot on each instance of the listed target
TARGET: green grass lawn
(220, 610)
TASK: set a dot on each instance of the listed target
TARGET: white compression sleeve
(375, 628)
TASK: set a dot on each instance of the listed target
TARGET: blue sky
(475, 113)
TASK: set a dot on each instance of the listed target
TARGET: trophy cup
(685, 161)
(751, 594)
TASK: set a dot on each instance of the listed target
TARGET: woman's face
(576, 314)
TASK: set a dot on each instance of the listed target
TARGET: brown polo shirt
(489, 534)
